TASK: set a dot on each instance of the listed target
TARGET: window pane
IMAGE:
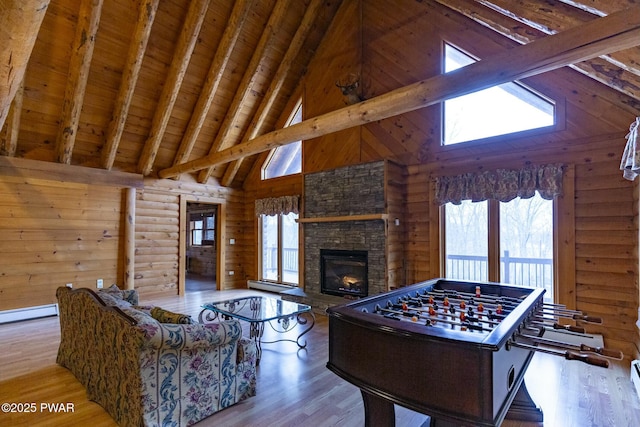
(270, 247)
(500, 110)
(466, 241)
(526, 243)
(290, 248)
(211, 221)
(286, 159)
(197, 237)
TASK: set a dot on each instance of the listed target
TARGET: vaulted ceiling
(145, 86)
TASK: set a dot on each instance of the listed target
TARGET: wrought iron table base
(256, 327)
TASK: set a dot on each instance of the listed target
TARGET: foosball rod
(571, 314)
(557, 326)
(605, 352)
(493, 299)
(472, 319)
(407, 314)
(569, 355)
(486, 304)
(487, 313)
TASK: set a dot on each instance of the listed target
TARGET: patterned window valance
(502, 184)
(277, 205)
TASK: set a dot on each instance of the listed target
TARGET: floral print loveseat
(147, 373)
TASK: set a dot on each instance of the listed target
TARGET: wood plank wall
(56, 230)
(340, 53)
(395, 200)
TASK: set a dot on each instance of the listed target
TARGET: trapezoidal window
(286, 159)
(499, 110)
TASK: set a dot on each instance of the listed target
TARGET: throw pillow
(111, 300)
(114, 291)
(166, 316)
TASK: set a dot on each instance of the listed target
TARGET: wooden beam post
(9, 141)
(130, 238)
(615, 32)
(19, 26)
(81, 55)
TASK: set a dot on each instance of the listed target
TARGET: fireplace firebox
(343, 273)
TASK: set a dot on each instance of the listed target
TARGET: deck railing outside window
(532, 272)
(289, 263)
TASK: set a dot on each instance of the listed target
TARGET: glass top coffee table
(260, 310)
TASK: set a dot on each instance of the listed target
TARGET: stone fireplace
(344, 210)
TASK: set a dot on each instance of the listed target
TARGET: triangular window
(286, 159)
(499, 110)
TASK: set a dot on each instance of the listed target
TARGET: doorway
(201, 246)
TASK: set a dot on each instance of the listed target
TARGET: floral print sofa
(147, 373)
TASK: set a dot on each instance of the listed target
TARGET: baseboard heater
(268, 286)
(27, 313)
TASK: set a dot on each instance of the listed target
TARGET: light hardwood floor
(294, 386)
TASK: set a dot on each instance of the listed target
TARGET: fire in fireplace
(343, 273)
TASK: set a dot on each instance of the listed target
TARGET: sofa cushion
(114, 291)
(166, 316)
(113, 301)
(129, 295)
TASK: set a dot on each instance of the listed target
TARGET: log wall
(395, 201)
(57, 228)
(161, 235)
(66, 224)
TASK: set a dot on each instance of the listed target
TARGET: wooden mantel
(367, 217)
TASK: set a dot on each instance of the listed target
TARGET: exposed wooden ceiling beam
(612, 33)
(186, 43)
(601, 7)
(146, 15)
(81, 55)
(214, 76)
(555, 17)
(267, 39)
(9, 141)
(603, 70)
(19, 25)
(260, 117)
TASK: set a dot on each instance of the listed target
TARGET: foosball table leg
(523, 408)
(378, 412)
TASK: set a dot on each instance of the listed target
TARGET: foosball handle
(590, 319)
(614, 354)
(586, 358)
(569, 328)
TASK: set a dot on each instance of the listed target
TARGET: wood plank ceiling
(146, 86)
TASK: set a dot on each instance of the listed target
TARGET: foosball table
(454, 350)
